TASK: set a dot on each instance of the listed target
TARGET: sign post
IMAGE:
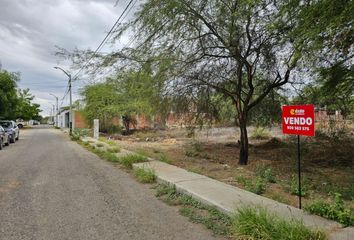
(298, 120)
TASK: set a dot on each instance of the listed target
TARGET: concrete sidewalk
(228, 198)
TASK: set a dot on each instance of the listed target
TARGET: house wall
(79, 120)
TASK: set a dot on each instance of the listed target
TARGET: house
(78, 119)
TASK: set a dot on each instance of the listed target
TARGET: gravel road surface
(52, 188)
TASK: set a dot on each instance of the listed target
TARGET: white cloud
(29, 30)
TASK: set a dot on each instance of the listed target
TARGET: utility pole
(53, 113)
(57, 112)
(71, 106)
(70, 92)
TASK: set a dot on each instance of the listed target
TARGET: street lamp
(57, 119)
(71, 110)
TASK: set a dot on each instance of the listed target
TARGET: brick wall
(79, 120)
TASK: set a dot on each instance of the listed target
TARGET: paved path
(51, 188)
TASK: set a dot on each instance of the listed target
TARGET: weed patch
(334, 210)
(257, 185)
(111, 157)
(145, 175)
(257, 223)
(260, 133)
(113, 149)
(99, 145)
(195, 169)
(130, 159)
(266, 173)
(162, 157)
(191, 153)
(196, 212)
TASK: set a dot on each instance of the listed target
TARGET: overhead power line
(104, 40)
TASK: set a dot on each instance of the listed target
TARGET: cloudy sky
(30, 30)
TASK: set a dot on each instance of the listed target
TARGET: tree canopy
(215, 55)
(15, 103)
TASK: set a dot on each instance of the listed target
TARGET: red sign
(298, 120)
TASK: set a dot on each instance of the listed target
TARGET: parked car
(4, 138)
(12, 129)
(20, 123)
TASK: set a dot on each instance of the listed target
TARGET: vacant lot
(327, 164)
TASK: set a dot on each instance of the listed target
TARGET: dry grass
(327, 165)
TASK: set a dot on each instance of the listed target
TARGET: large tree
(16, 103)
(25, 108)
(125, 95)
(8, 94)
(323, 31)
(236, 47)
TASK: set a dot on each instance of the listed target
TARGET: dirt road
(51, 188)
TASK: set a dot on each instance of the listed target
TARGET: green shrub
(75, 137)
(260, 133)
(99, 145)
(334, 210)
(81, 132)
(130, 159)
(257, 185)
(266, 173)
(165, 189)
(241, 179)
(257, 223)
(145, 175)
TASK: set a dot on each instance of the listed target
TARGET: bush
(333, 210)
(81, 132)
(74, 137)
(266, 173)
(165, 190)
(257, 223)
(257, 186)
(99, 145)
(260, 133)
(130, 159)
(145, 175)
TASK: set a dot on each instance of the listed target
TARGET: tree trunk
(243, 141)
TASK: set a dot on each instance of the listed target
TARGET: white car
(20, 123)
(4, 138)
(11, 129)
